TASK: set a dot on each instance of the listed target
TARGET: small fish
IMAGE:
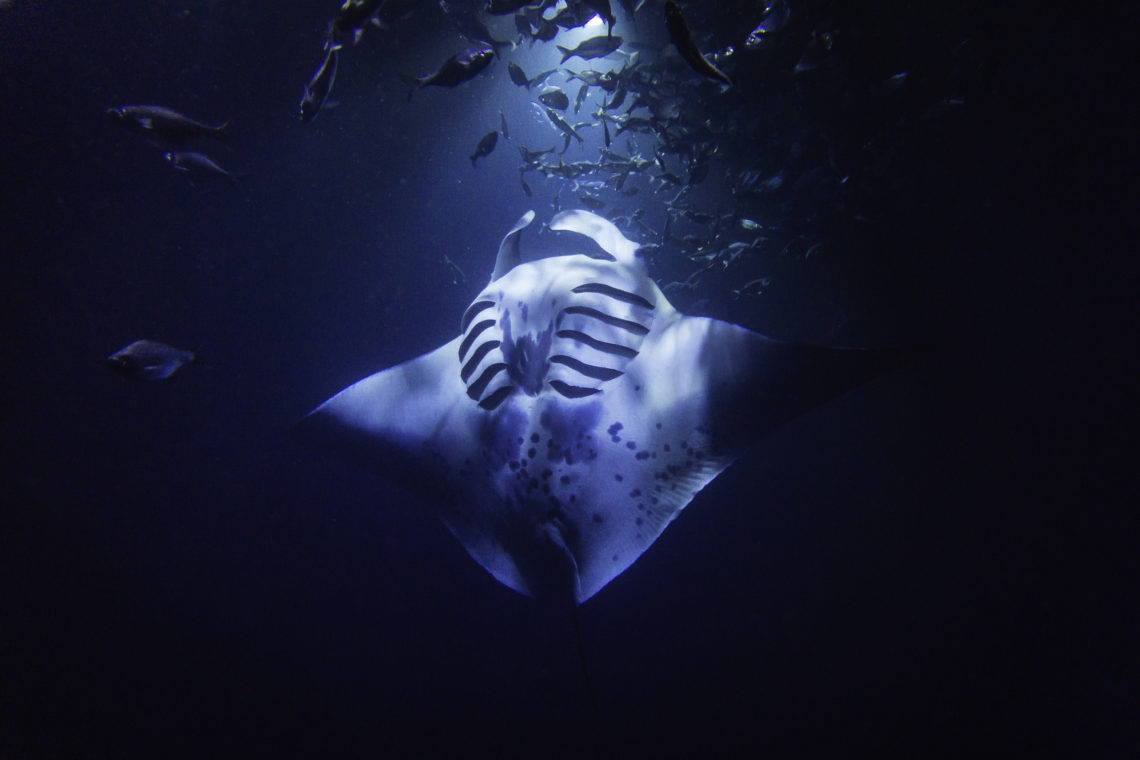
(776, 15)
(592, 202)
(607, 80)
(542, 77)
(531, 157)
(351, 18)
(667, 109)
(546, 31)
(392, 11)
(467, 21)
(682, 38)
(149, 360)
(555, 98)
(318, 89)
(561, 124)
(457, 275)
(198, 165)
(815, 52)
(503, 125)
(485, 146)
(595, 47)
(518, 76)
(163, 124)
(618, 98)
(892, 83)
(631, 6)
(604, 11)
(943, 107)
(456, 70)
(525, 186)
(583, 91)
(573, 16)
(635, 124)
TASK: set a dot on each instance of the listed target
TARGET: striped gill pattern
(591, 331)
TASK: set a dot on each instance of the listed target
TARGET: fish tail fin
(472, 157)
(196, 357)
(220, 131)
(566, 53)
(413, 83)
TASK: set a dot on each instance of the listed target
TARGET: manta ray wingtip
(509, 255)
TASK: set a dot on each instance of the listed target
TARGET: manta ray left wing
(576, 413)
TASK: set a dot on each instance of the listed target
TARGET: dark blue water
(919, 568)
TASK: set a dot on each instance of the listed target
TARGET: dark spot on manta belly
(614, 428)
(643, 455)
(597, 517)
(630, 445)
(534, 436)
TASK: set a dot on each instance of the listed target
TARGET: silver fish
(682, 38)
(318, 89)
(776, 15)
(149, 360)
(555, 98)
(454, 71)
(198, 165)
(163, 124)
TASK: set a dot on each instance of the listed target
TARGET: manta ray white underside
(576, 413)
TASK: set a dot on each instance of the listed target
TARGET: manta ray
(576, 413)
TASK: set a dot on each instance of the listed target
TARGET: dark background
(936, 564)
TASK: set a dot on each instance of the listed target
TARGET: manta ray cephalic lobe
(576, 413)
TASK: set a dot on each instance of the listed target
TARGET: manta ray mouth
(582, 347)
